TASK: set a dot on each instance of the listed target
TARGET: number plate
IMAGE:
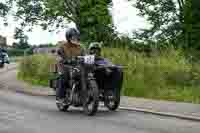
(89, 59)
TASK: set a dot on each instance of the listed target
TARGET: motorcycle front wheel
(92, 98)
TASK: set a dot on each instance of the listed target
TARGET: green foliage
(5, 6)
(4, 9)
(19, 52)
(16, 58)
(163, 16)
(167, 75)
(44, 45)
(194, 23)
(21, 45)
(35, 69)
(15, 52)
(172, 20)
(91, 17)
(22, 39)
(95, 21)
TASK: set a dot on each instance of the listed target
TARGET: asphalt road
(28, 114)
(7, 67)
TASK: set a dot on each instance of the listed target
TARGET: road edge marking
(166, 114)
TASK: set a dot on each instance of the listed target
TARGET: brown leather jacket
(67, 51)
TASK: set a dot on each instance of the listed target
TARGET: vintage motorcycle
(85, 90)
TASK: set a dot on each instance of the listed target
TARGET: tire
(112, 103)
(1, 65)
(62, 107)
(92, 99)
(115, 93)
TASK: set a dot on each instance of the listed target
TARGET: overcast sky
(124, 16)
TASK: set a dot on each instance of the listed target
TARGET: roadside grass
(167, 75)
(35, 69)
(15, 58)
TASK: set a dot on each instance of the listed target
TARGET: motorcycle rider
(67, 50)
(112, 78)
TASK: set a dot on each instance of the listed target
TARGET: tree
(160, 14)
(21, 38)
(5, 7)
(168, 19)
(91, 17)
(3, 41)
(47, 12)
(95, 21)
(194, 23)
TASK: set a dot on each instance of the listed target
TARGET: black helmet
(72, 34)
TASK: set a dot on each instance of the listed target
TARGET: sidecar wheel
(112, 100)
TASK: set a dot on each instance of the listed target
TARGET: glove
(69, 61)
(66, 62)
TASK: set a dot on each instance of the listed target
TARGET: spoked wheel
(92, 98)
(112, 99)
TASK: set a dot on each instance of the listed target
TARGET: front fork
(85, 76)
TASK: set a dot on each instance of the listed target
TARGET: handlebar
(80, 59)
(101, 66)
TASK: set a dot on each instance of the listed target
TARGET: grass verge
(168, 75)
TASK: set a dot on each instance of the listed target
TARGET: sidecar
(110, 79)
